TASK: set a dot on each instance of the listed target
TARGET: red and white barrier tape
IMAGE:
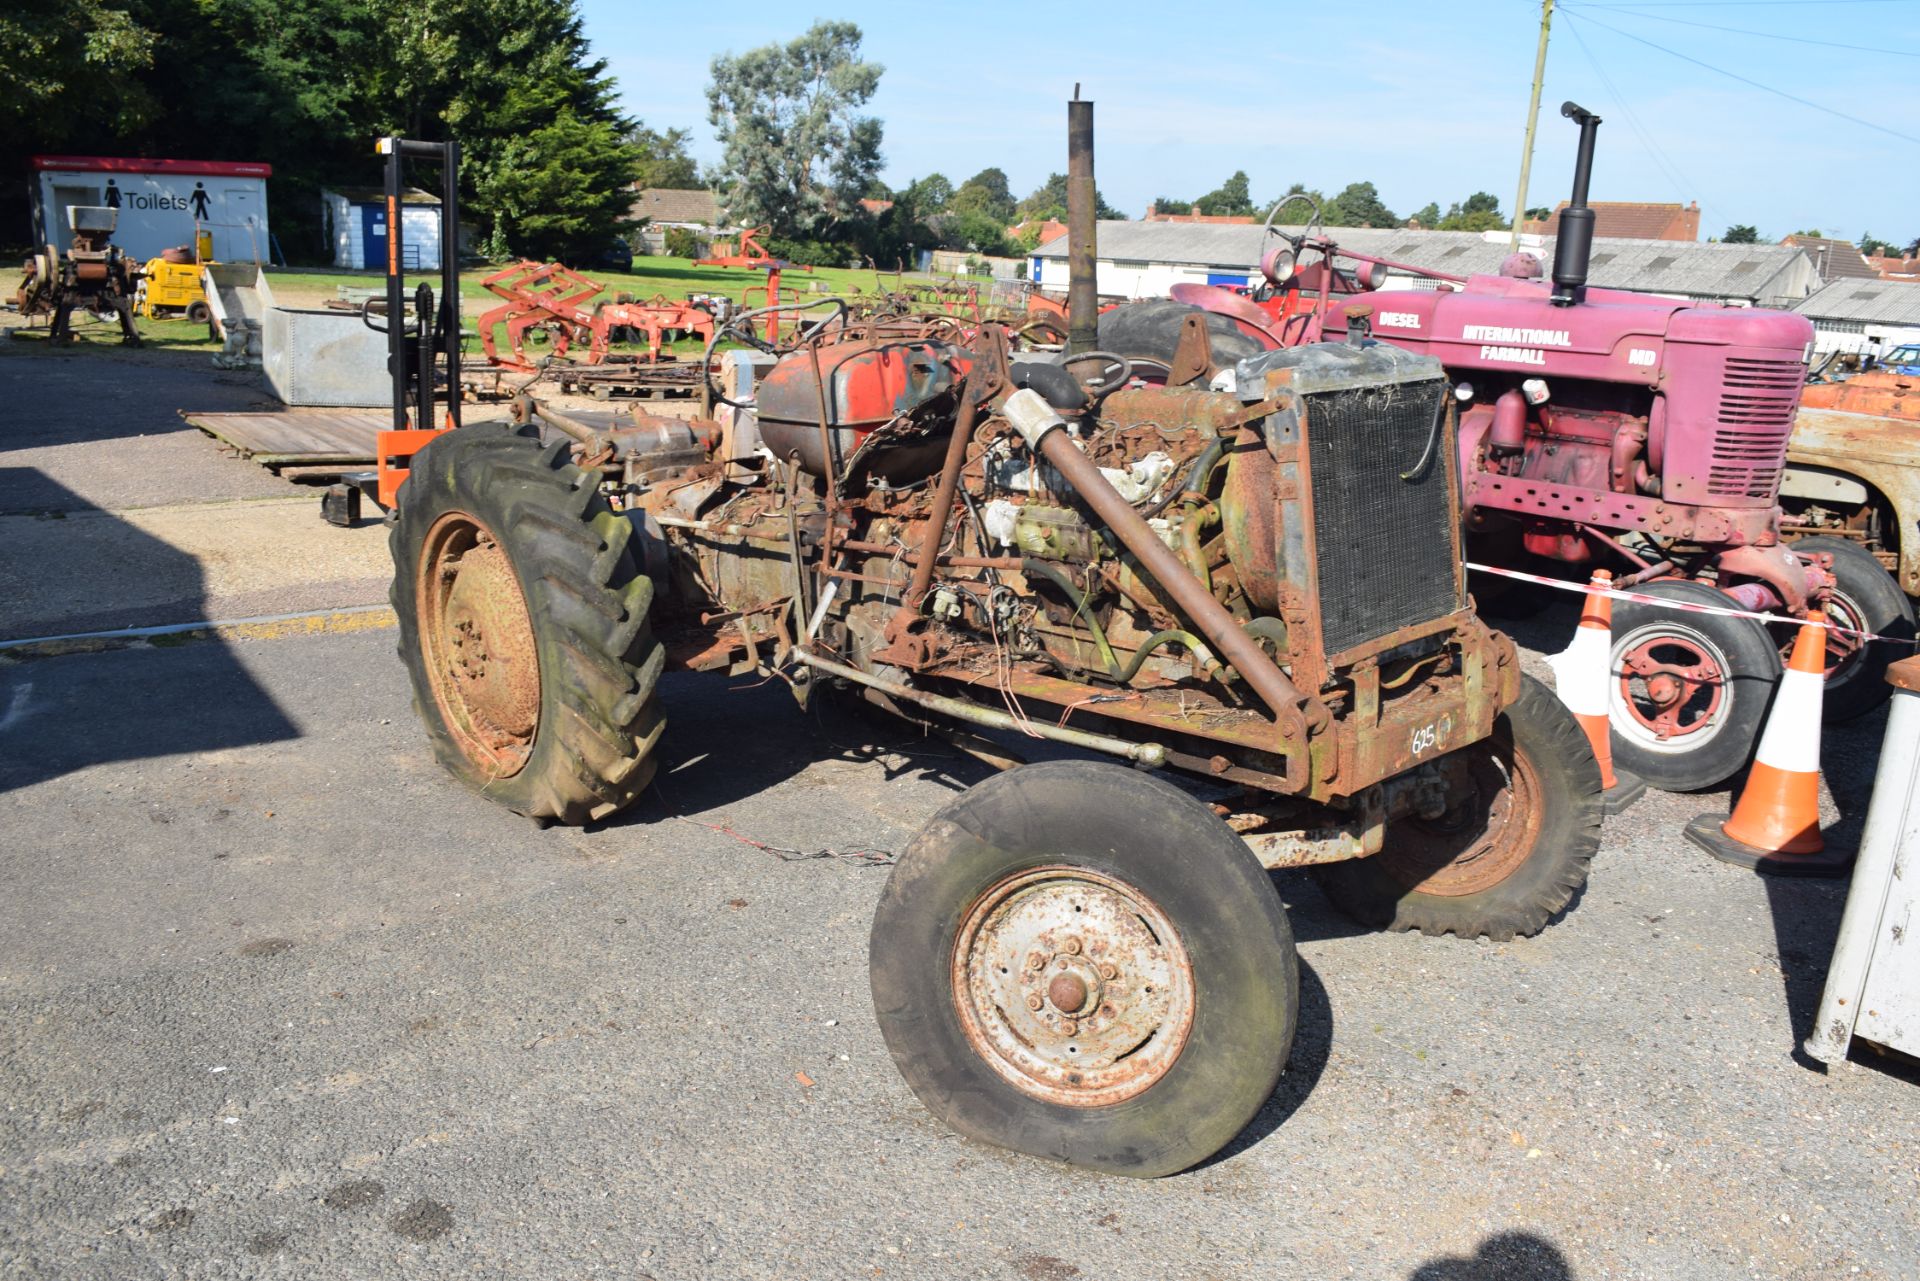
(1689, 607)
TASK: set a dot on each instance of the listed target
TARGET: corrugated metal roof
(1895, 302)
(1653, 266)
(1834, 259)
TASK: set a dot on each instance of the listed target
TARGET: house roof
(699, 208)
(1632, 220)
(378, 195)
(1891, 302)
(1050, 229)
(1834, 259)
(1650, 266)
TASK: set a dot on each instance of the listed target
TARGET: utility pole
(1533, 117)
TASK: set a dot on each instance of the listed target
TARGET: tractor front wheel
(1080, 962)
(1687, 691)
(523, 625)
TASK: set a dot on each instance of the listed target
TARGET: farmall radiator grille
(1386, 552)
(1757, 403)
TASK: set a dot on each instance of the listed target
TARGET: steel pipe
(1043, 430)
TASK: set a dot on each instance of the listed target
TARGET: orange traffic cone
(1582, 676)
(1775, 826)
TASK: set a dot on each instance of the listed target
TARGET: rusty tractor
(1604, 427)
(1853, 469)
(1260, 592)
(92, 276)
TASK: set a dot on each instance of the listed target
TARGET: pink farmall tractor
(1602, 428)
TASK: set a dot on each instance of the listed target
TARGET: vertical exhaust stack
(1083, 294)
(1573, 247)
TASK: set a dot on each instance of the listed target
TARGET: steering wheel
(1110, 373)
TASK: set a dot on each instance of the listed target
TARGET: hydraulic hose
(1058, 578)
(1120, 673)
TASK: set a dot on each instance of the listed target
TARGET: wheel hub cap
(1073, 986)
(1670, 687)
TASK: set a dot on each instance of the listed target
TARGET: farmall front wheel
(523, 625)
(1080, 962)
(1511, 850)
(1687, 692)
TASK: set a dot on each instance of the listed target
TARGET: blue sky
(1425, 100)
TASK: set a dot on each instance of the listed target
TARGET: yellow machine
(169, 288)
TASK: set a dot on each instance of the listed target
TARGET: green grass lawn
(673, 277)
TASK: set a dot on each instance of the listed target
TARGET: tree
(66, 65)
(1427, 215)
(1230, 199)
(306, 85)
(1359, 206)
(930, 195)
(661, 159)
(1813, 232)
(985, 193)
(515, 83)
(797, 154)
(978, 231)
(1871, 245)
(1741, 233)
(1478, 212)
(1049, 200)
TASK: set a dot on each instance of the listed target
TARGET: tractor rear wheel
(1865, 598)
(1080, 962)
(1512, 849)
(198, 312)
(523, 625)
(1151, 328)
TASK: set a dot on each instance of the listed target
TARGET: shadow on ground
(64, 713)
(1505, 1256)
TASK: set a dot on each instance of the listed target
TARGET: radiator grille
(1385, 546)
(1757, 403)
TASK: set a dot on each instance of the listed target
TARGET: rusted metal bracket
(1193, 356)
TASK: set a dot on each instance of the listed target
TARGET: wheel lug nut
(1108, 971)
(1037, 961)
(1071, 947)
(1034, 1002)
(1069, 1028)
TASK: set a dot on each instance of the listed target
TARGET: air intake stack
(1573, 247)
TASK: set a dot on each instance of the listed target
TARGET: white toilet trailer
(162, 203)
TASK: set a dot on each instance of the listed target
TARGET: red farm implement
(558, 301)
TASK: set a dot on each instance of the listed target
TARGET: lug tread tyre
(1106, 820)
(1152, 328)
(1534, 892)
(588, 604)
(1882, 608)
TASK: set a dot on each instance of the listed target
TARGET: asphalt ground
(282, 1000)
